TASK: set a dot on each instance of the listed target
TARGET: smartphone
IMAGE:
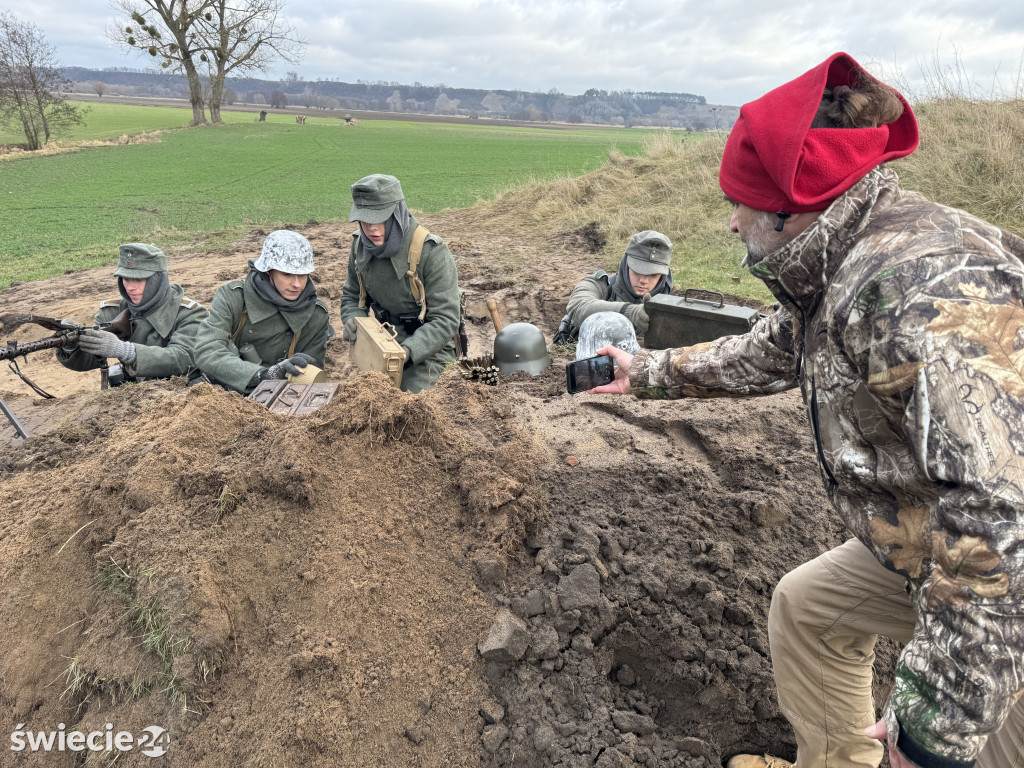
(581, 375)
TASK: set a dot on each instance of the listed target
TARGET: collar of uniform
(803, 267)
(259, 310)
(399, 262)
(162, 318)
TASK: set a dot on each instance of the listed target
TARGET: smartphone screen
(588, 373)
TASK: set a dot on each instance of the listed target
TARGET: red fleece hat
(775, 161)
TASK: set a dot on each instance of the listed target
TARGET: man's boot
(758, 761)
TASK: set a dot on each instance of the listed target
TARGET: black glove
(282, 370)
(349, 334)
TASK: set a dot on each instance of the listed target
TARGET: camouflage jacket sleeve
(441, 287)
(174, 358)
(760, 362)
(948, 360)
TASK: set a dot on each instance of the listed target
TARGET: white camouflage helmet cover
(286, 251)
(602, 329)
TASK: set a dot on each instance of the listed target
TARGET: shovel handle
(492, 309)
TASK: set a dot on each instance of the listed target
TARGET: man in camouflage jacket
(903, 326)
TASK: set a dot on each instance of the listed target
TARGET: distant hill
(626, 108)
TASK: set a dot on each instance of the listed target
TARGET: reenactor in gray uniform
(406, 275)
(164, 322)
(269, 325)
(645, 269)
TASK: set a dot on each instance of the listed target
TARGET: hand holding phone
(583, 375)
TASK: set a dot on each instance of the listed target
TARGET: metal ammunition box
(293, 398)
(680, 321)
(375, 349)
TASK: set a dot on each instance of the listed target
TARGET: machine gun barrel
(13, 349)
(120, 326)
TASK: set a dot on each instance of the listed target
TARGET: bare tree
(32, 88)
(99, 87)
(244, 37)
(167, 30)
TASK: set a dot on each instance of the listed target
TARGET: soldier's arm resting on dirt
(215, 354)
(316, 334)
(589, 297)
(760, 362)
(178, 356)
(80, 360)
(441, 286)
(949, 378)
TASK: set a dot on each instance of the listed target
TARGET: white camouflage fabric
(606, 328)
(286, 251)
(903, 325)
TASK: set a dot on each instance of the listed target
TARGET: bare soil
(312, 591)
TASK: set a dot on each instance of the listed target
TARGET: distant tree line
(625, 108)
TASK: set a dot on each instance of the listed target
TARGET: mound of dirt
(505, 576)
(273, 591)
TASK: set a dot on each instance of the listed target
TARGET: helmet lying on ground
(520, 347)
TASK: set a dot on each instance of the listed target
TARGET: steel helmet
(520, 347)
(602, 329)
(286, 251)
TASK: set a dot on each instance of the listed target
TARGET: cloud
(730, 51)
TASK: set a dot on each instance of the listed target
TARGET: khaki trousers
(824, 621)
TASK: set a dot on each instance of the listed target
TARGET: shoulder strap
(295, 340)
(415, 283)
(359, 274)
(241, 322)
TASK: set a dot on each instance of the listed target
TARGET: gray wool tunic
(432, 345)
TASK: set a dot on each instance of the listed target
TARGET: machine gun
(120, 326)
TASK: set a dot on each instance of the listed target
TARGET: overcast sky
(729, 51)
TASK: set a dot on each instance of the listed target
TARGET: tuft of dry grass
(12, 151)
(970, 157)
(672, 188)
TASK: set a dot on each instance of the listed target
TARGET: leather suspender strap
(238, 330)
(241, 323)
(415, 283)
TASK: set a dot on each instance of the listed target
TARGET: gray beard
(763, 240)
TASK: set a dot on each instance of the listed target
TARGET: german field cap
(374, 198)
(286, 251)
(774, 161)
(649, 253)
(138, 261)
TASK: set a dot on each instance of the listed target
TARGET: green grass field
(111, 119)
(69, 211)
